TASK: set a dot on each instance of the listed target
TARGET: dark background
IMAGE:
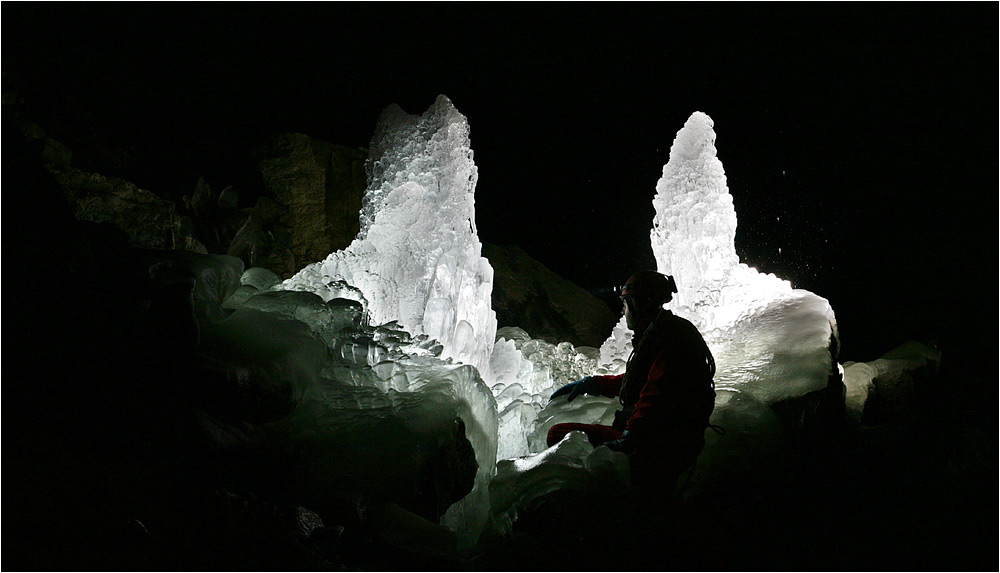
(858, 139)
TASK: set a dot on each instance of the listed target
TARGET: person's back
(669, 408)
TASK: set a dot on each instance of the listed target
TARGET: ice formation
(694, 231)
(417, 258)
(371, 402)
(570, 464)
(525, 373)
(768, 339)
(410, 346)
(886, 387)
(415, 271)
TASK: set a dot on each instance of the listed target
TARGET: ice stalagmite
(417, 258)
(416, 268)
(769, 340)
(694, 232)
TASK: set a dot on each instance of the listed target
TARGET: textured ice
(358, 429)
(275, 361)
(693, 235)
(372, 402)
(417, 258)
(395, 441)
(404, 311)
(526, 371)
(260, 278)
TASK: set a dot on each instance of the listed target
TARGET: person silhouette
(667, 391)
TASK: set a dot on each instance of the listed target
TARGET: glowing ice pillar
(418, 258)
(694, 232)
(769, 339)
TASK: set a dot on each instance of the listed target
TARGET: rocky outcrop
(529, 295)
(345, 187)
(145, 217)
(318, 187)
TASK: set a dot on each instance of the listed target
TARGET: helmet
(649, 286)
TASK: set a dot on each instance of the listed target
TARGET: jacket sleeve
(609, 386)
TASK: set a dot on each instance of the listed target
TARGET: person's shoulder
(669, 319)
(678, 325)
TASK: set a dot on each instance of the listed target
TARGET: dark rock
(29, 132)
(345, 188)
(56, 154)
(298, 183)
(202, 201)
(528, 295)
(148, 219)
(210, 223)
(318, 187)
(216, 277)
(229, 199)
(184, 236)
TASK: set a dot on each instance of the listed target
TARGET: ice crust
(570, 464)
(885, 387)
(371, 401)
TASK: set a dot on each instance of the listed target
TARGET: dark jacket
(666, 391)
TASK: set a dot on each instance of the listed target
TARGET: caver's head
(644, 294)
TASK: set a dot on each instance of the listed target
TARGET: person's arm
(610, 385)
(594, 385)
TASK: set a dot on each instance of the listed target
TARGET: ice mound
(780, 352)
(572, 464)
(526, 371)
(266, 363)
(887, 387)
(376, 405)
(405, 442)
(417, 257)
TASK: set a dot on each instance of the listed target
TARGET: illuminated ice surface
(694, 232)
(417, 258)
(526, 371)
(404, 312)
